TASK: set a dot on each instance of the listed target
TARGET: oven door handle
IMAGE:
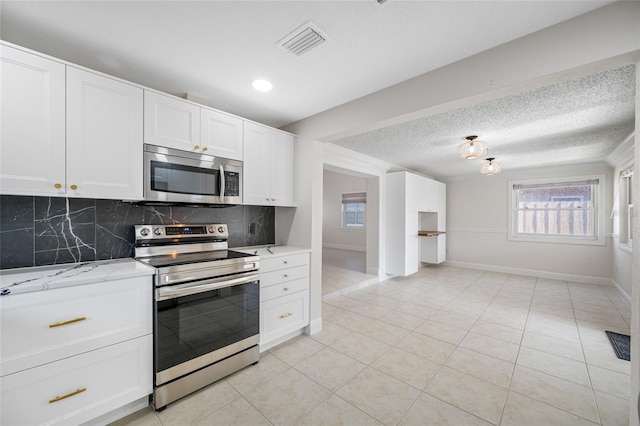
(175, 291)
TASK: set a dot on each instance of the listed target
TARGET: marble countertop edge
(22, 280)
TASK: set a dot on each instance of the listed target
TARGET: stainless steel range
(207, 302)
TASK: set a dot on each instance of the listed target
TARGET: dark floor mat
(621, 344)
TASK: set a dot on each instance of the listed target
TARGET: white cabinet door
(80, 388)
(171, 122)
(256, 168)
(104, 137)
(282, 172)
(268, 166)
(221, 134)
(32, 152)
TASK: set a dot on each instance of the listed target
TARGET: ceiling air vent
(303, 39)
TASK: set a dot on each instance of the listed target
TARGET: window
(353, 210)
(562, 211)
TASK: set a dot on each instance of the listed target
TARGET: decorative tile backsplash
(38, 231)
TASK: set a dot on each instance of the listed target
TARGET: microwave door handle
(222, 182)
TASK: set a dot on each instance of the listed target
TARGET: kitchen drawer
(108, 378)
(45, 326)
(281, 262)
(283, 275)
(284, 288)
(283, 315)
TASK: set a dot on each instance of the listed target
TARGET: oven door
(198, 324)
(184, 177)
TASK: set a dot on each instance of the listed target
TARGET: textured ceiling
(576, 121)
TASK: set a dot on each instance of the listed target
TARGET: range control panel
(181, 231)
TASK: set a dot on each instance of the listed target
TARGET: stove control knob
(211, 230)
(157, 231)
(221, 229)
(144, 232)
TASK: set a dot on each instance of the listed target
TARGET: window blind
(354, 197)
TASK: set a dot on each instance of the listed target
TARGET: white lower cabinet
(80, 388)
(284, 297)
(72, 354)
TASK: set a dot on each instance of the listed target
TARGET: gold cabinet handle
(286, 262)
(286, 275)
(74, 187)
(287, 315)
(205, 149)
(196, 147)
(57, 186)
(286, 289)
(58, 324)
(60, 398)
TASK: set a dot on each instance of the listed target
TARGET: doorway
(350, 223)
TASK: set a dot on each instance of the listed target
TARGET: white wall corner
(623, 294)
(315, 326)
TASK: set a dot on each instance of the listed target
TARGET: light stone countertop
(22, 280)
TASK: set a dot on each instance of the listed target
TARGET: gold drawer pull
(74, 187)
(57, 186)
(286, 262)
(60, 398)
(205, 149)
(286, 289)
(196, 147)
(58, 324)
(286, 275)
(287, 315)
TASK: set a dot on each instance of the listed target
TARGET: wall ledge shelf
(430, 233)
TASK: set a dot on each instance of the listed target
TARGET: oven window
(191, 326)
(178, 178)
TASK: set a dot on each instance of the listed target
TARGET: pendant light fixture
(472, 148)
(490, 167)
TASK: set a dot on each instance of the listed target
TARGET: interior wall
(605, 36)
(334, 185)
(477, 224)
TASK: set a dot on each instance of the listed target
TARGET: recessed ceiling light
(262, 85)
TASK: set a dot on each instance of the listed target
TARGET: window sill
(551, 240)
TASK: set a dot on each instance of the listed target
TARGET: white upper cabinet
(104, 137)
(171, 122)
(68, 132)
(221, 134)
(174, 123)
(268, 166)
(32, 152)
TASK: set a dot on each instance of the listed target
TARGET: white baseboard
(622, 293)
(372, 271)
(533, 273)
(315, 326)
(343, 247)
(281, 339)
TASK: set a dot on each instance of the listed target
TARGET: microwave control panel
(231, 184)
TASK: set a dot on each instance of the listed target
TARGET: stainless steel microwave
(175, 176)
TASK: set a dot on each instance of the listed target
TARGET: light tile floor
(446, 346)
(344, 271)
